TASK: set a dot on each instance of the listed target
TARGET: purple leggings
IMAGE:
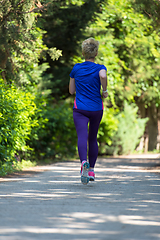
(81, 120)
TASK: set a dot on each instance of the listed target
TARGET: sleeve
(72, 72)
(103, 67)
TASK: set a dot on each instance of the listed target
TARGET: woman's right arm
(72, 86)
(103, 79)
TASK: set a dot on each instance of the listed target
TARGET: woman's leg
(95, 119)
(81, 124)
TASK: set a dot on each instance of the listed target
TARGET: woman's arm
(72, 86)
(103, 79)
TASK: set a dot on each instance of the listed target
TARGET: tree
(64, 25)
(150, 8)
(130, 49)
(21, 43)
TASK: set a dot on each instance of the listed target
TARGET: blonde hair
(90, 48)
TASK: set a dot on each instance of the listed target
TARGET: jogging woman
(86, 80)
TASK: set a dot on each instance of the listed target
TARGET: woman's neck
(90, 60)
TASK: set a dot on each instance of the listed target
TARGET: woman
(86, 80)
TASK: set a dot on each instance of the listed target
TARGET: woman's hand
(105, 94)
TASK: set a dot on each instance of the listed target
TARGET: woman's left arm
(72, 86)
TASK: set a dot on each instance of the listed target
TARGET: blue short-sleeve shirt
(88, 86)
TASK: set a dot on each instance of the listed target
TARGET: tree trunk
(158, 137)
(152, 128)
(3, 61)
(151, 138)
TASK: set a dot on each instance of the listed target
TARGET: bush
(16, 110)
(55, 136)
(130, 129)
(107, 129)
(34, 128)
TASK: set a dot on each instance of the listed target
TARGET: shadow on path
(122, 204)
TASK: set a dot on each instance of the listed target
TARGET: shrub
(16, 110)
(107, 128)
(55, 136)
(130, 129)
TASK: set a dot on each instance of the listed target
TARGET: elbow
(71, 91)
(103, 77)
(102, 74)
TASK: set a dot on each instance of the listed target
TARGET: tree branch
(20, 3)
(38, 8)
(35, 9)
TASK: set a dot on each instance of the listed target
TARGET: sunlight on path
(123, 203)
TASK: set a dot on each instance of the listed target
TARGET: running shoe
(84, 172)
(91, 175)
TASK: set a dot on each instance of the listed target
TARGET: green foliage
(6, 167)
(33, 34)
(21, 42)
(64, 23)
(130, 129)
(23, 164)
(16, 111)
(130, 48)
(107, 129)
(120, 132)
(55, 136)
(31, 127)
(150, 8)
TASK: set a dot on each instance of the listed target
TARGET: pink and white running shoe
(91, 175)
(84, 172)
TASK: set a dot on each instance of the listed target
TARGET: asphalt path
(51, 203)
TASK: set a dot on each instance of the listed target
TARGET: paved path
(122, 204)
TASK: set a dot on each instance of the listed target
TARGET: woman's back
(88, 86)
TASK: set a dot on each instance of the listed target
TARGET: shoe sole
(84, 176)
(91, 179)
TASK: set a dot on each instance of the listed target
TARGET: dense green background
(40, 41)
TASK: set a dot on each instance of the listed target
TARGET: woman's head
(90, 48)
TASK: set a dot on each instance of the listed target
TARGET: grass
(9, 167)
